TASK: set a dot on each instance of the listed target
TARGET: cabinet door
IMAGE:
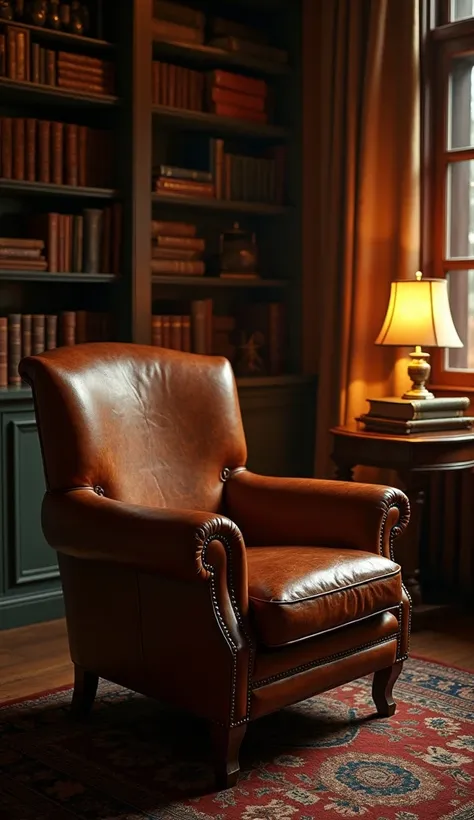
(29, 559)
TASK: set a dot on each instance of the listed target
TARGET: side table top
(356, 430)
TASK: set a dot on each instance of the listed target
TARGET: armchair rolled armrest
(185, 545)
(309, 511)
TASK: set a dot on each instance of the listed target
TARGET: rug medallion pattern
(325, 758)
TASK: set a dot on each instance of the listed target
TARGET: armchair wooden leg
(226, 743)
(382, 689)
(85, 688)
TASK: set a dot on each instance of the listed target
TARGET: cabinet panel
(30, 559)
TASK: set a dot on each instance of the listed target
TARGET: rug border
(36, 695)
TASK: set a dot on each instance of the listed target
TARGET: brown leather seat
(299, 592)
(265, 590)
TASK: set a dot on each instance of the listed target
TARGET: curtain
(368, 207)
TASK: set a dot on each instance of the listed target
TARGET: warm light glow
(418, 313)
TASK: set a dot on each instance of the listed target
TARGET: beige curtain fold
(369, 203)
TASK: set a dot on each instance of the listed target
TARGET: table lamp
(419, 315)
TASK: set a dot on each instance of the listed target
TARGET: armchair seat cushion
(300, 592)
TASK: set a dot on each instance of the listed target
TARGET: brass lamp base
(419, 371)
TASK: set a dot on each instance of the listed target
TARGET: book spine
(175, 332)
(14, 348)
(93, 219)
(191, 243)
(19, 148)
(238, 113)
(68, 328)
(26, 346)
(189, 188)
(185, 174)
(30, 149)
(82, 331)
(50, 67)
(3, 351)
(247, 102)
(38, 333)
(57, 131)
(77, 244)
(11, 54)
(178, 267)
(157, 331)
(51, 331)
(172, 228)
(238, 82)
(7, 147)
(44, 169)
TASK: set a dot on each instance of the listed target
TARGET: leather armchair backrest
(147, 425)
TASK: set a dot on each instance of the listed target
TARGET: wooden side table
(413, 457)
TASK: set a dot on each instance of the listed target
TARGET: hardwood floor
(36, 658)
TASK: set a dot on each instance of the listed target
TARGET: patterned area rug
(326, 758)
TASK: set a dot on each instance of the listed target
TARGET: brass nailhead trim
(305, 667)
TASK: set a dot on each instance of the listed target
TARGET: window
(449, 198)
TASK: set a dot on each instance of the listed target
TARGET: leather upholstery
(298, 592)
(187, 577)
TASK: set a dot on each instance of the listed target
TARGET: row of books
(22, 254)
(397, 416)
(202, 331)
(81, 243)
(55, 152)
(232, 177)
(24, 61)
(220, 92)
(26, 334)
(174, 21)
(175, 249)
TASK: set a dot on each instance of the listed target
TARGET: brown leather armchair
(188, 578)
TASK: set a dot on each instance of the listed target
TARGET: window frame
(441, 41)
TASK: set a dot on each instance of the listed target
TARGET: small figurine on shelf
(53, 19)
(6, 10)
(37, 11)
(238, 253)
(249, 362)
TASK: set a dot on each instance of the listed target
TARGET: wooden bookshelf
(277, 408)
(15, 91)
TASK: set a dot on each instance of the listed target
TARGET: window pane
(461, 298)
(460, 209)
(461, 103)
(460, 9)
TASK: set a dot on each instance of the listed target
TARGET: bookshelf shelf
(209, 203)
(47, 277)
(203, 121)
(16, 91)
(212, 57)
(20, 187)
(217, 282)
(63, 38)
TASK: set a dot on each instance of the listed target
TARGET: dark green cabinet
(279, 424)
(29, 577)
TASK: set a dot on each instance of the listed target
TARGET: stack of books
(22, 254)
(409, 416)
(175, 249)
(171, 179)
(237, 96)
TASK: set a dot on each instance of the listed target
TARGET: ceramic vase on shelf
(37, 11)
(6, 10)
(53, 19)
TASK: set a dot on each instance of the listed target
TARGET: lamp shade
(419, 313)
